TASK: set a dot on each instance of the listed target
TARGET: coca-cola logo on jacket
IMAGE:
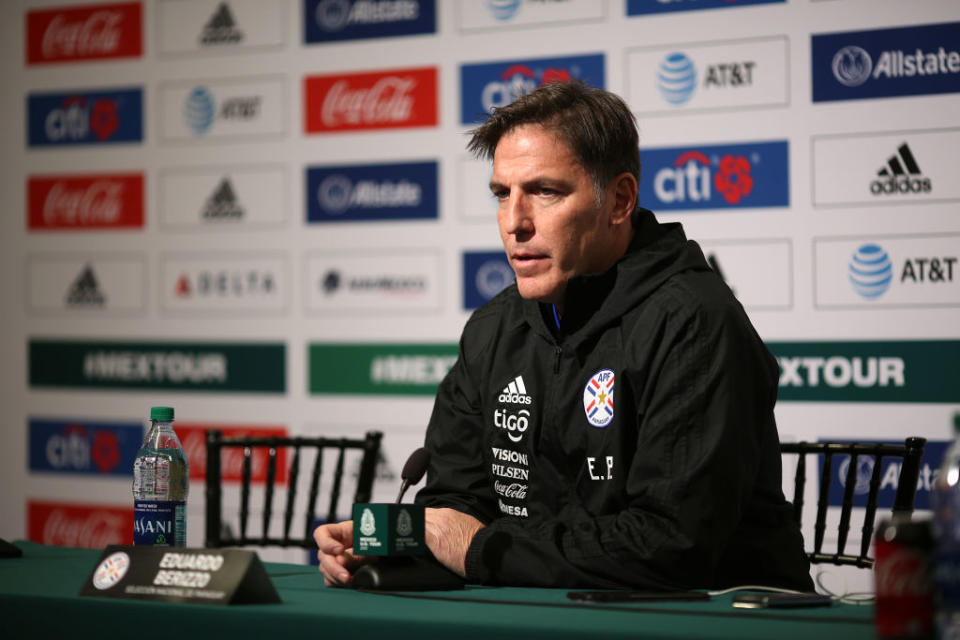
(379, 100)
(85, 202)
(90, 526)
(84, 33)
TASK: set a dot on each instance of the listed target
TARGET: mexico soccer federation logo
(111, 570)
(598, 398)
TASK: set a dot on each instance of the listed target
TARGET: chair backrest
(217, 536)
(911, 452)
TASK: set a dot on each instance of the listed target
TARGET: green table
(38, 599)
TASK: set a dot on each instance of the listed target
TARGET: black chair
(217, 535)
(911, 452)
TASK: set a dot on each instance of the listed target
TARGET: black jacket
(675, 485)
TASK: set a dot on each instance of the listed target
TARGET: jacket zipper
(557, 352)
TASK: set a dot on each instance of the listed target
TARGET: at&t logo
(694, 176)
(504, 10)
(677, 78)
(199, 110)
(870, 271)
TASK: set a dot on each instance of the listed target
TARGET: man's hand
(335, 552)
(449, 533)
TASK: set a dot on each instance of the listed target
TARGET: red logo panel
(379, 100)
(90, 32)
(194, 441)
(112, 201)
(90, 526)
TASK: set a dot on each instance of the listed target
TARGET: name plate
(388, 530)
(166, 574)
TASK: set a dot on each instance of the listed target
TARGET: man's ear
(624, 198)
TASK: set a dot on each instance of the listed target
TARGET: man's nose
(516, 215)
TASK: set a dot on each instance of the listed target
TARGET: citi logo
(518, 80)
(900, 175)
(515, 393)
(693, 177)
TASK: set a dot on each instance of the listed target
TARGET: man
(536, 476)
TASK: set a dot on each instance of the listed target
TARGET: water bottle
(946, 531)
(160, 485)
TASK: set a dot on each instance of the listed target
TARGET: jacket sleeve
(704, 418)
(456, 477)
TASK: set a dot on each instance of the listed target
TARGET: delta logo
(485, 86)
(881, 63)
(94, 32)
(717, 176)
(644, 7)
(84, 117)
(193, 437)
(88, 526)
(83, 447)
(394, 99)
(79, 202)
(336, 20)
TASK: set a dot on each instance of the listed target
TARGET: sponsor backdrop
(262, 214)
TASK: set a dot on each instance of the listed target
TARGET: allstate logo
(493, 277)
(335, 193)
(864, 472)
(677, 78)
(504, 10)
(871, 271)
(199, 110)
(852, 66)
(333, 15)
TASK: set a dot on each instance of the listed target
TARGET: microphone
(413, 470)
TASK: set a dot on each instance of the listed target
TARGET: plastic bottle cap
(161, 413)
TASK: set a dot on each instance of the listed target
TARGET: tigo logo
(870, 271)
(708, 177)
(488, 85)
(96, 448)
(84, 117)
(112, 201)
(677, 78)
(485, 274)
(333, 20)
(380, 100)
(642, 7)
(95, 32)
(880, 63)
(372, 192)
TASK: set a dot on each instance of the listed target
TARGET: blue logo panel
(84, 117)
(85, 447)
(485, 274)
(752, 174)
(889, 476)
(496, 84)
(882, 63)
(335, 20)
(406, 191)
(642, 7)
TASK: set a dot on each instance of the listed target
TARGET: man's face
(550, 224)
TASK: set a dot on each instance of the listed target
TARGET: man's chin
(538, 292)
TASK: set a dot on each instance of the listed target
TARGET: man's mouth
(527, 259)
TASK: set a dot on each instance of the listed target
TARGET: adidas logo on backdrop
(515, 393)
(900, 175)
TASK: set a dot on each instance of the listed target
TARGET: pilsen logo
(84, 33)
(79, 525)
(85, 202)
(194, 440)
(379, 100)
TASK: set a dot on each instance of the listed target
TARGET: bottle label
(160, 523)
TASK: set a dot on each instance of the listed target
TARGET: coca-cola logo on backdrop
(194, 441)
(379, 100)
(79, 525)
(84, 33)
(85, 202)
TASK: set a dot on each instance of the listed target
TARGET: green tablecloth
(38, 600)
